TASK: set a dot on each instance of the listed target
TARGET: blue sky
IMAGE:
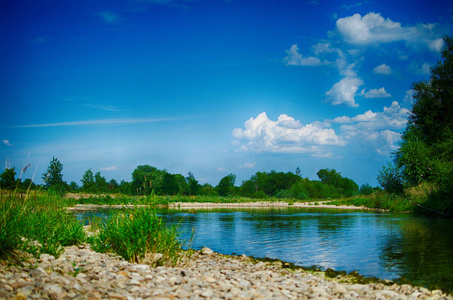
(211, 86)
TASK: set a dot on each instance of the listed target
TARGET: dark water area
(384, 245)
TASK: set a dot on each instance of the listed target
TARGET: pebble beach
(81, 273)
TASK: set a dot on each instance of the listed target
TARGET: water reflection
(384, 245)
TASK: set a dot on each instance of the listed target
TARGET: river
(384, 245)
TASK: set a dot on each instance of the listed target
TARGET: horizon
(212, 87)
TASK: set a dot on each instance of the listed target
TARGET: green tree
(88, 184)
(53, 177)
(426, 152)
(169, 184)
(8, 179)
(226, 185)
(113, 185)
(193, 185)
(73, 186)
(101, 182)
(146, 179)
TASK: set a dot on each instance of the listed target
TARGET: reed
(37, 224)
(135, 234)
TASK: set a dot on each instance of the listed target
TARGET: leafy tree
(192, 183)
(53, 176)
(73, 186)
(101, 182)
(426, 152)
(113, 185)
(8, 179)
(366, 189)
(169, 184)
(226, 185)
(391, 179)
(88, 183)
(146, 179)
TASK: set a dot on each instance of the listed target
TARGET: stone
(206, 251)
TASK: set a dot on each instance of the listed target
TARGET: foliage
(426, 152)
(38, 224)
(8, 179)
(135, 233)
(391, 179)
(88, 184)
(53, 176)
(193, 185)
(226, 185)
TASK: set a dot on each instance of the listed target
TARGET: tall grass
(137, 233)
(36, 224)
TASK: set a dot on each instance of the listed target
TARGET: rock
(206, 251)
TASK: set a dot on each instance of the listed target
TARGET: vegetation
(426, 153)
(136, 234)
(40, 223)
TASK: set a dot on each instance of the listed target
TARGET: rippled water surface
(384, 245)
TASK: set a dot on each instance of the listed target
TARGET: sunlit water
(384, 245)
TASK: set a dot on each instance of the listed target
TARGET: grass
(40, 223)
(36, 224)
(136, 235)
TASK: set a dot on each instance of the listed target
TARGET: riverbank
(232, 205)
(81, 273)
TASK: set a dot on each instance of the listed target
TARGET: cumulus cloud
(373, 28)
(383, 69)
(436, 45)
(376, 93)
(296, 59)
(409, 96)
(344, 91)
(7, 143)
(285, 135)
(109, 168)
(379, 131)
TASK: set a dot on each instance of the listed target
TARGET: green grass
(37, 224)
(136, 233)
(40, 223)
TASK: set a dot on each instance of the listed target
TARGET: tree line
(425, 156)
(149, 180)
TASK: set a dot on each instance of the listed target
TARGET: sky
(212, 87)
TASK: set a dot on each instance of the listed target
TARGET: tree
(169, 184)
(53, 176)
(426, 152)
(146, 179)
(8, 179)
(194, 187)
(73, 185)
(101, 182)
(88, 184)
(226, 185)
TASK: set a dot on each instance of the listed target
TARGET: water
(384, 245)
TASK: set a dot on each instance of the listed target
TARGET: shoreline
(231, 205)
(81, 273)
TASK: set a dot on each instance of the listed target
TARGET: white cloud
(285, 135)
(344, 91)
(375, 131)
(409, 97)
(221, 169)
(373, 28)
(383, 69)
(376, 93)
(437, 45)
(296, 59)
(109, 168)
(108, 17)
(7, 143)
(248, 165)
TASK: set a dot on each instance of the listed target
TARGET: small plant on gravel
(134, 234)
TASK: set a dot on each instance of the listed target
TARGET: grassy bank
(40, 223)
